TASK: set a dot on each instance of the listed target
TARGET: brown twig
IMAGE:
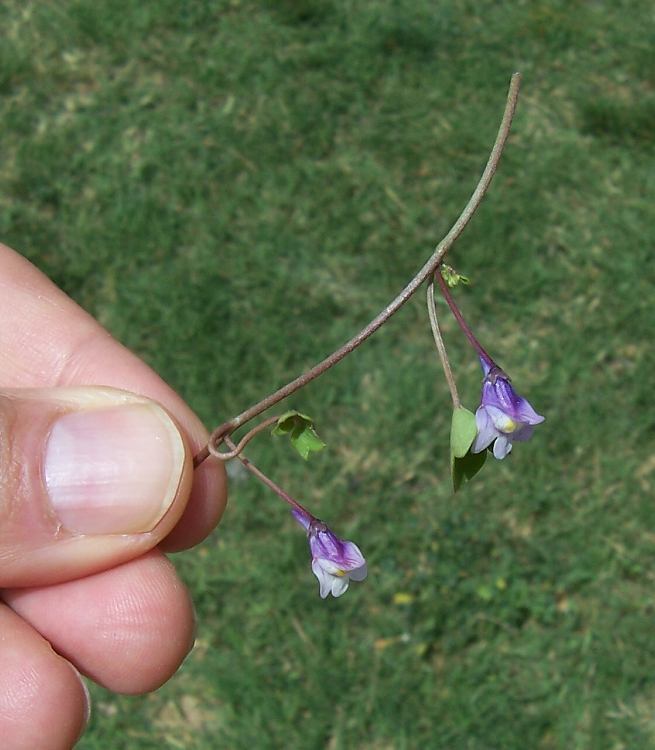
(227, 455)
(424, 273)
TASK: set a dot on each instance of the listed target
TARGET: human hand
(94, 484)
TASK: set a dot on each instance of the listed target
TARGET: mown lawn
(233, 188)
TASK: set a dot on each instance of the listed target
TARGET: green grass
(234, 188)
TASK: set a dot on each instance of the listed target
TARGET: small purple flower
(335, 562)
(503, 416)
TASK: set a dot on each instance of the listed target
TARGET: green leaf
(302, 434)
(452, 277)
(287, 421)
(466, 467)
(462, 431)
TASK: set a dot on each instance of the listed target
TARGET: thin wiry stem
(227, 455)
(441, 349)
(268, 482)
(462, 323)
(424, 273)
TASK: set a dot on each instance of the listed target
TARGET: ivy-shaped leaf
(464, 465)
(302, 434)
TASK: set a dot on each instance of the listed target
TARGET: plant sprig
(501, 418)
(227, 428)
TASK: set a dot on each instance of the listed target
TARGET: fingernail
(113, 470)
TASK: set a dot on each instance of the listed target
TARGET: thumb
(89, 477)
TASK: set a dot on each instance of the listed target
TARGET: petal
(502, 447)
(505, 397)
(324, 579)
(359, 574)
(351, 557)
(341, 553)
(502, 395)
(502, 421)
(489, 396)
(524, 433)
(339, 586)
(486, 431)
(526, 413)
(323, 543)
(329, 566)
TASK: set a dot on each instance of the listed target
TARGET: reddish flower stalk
(460, 319)
(269, 482)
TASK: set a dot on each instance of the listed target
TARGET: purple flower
(503, 416)
(335, 562)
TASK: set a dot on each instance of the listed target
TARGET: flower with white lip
(503, 416)
(335, 561)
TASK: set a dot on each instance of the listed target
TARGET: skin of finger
(34, 547)
(128, 629)
(43, 702)
(56, 343)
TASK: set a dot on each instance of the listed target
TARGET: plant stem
(227, 455)
(462, 323)
(268, 482)
(424, 273)
(441, 349)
